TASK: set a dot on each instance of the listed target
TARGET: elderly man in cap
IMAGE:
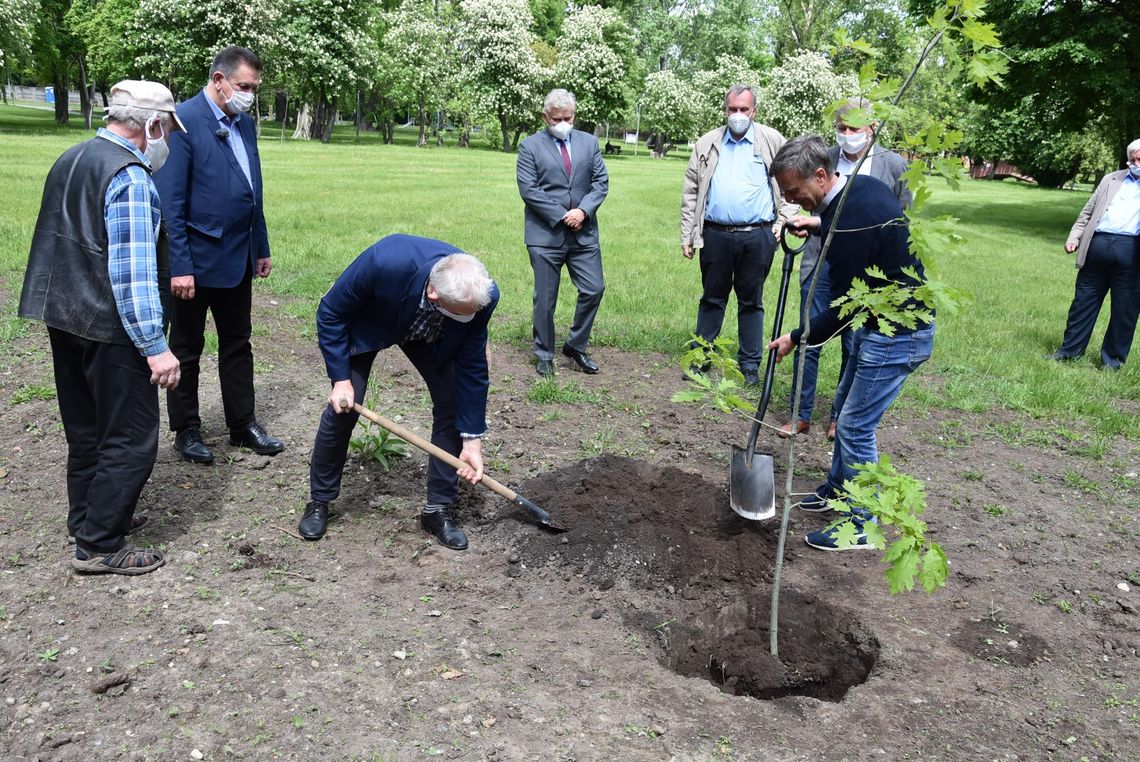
(97, 276)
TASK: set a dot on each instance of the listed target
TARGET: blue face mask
(1134, 169)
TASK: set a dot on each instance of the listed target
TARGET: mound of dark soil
(638, 526)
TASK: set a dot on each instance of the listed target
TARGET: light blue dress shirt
(739, 193)
(233, 140)
(1122, 216)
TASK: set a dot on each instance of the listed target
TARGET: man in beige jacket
(1105, 238)
(730, 205)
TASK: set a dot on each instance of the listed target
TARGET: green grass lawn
(326, 203)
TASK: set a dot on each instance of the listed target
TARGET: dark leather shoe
(313, 523)
(439, 524)
(585, 362)
(544, 368)
(189, 443)
(1059, 357)
(255, 438)
(751, 377)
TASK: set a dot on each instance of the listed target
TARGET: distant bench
(611, 149)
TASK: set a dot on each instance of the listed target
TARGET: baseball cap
(153, 96)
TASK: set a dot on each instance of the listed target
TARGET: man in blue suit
(434, 302)
(211, 197)
(562, 180)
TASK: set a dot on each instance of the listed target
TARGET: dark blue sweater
(873, 231)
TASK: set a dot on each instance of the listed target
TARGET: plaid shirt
(132, 212)
(427, 323)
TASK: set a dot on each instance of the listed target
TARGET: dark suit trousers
(736, 262)
(330, 450)
(584, 263)
(1112, 265)
(231, 308)
(110, 417)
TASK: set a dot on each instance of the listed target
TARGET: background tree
(56, 53)
(323, 50)
(17, 32)
(417, 60)
(670, 108)
(799, 92)
(598, 63)
(501, 67)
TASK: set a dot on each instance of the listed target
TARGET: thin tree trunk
(85, 93)
(61, 112)
(329, 119)
(439, 127)
(422, 140)
(506, 132)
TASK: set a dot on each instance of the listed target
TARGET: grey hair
(558, 98)
(737, 89)
(1132, 147)
(133, 117)
(802, 156)
(853, 104)
(462, 279)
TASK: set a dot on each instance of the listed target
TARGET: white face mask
(239, 100)
(156, 150)
(738, 123)
(457, 318)
(852, 143)
(1134, 169)
(561, 130)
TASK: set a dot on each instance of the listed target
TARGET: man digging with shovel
(871, 231)
(433, 301)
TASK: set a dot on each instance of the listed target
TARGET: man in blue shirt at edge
(434, 302)
(872, 232)
(729, 209)
(97, 276)
(1106, 239)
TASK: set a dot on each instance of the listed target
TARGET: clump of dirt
(640, 526)
(1000, 642)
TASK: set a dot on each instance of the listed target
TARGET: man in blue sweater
(871, 233)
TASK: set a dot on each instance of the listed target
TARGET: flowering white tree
(597, 61)
(501, 70)
(712, 84)
(670, 108)
(325, 50)
(175, 41)
(17, 22)
(418, 58)
(799, 92)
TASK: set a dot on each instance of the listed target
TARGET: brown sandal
(126, 560)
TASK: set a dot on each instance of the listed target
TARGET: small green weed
(50, 654)
(30, 392)
(996, 509)
(1063, 606)
(379, 444)
(973, 475)
(547, 391)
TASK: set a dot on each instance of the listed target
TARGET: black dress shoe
(189, 443)
(584, 360)
(544, 368)
(255, 438)
(439, 524)
(312, 524)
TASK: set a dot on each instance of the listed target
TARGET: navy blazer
(548, 192)
(372, 304)
(215, 220)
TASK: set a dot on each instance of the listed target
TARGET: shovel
(541, 516)
(751, 482)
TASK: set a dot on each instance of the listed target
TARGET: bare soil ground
(640, 633)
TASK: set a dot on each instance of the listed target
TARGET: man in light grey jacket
(563, 180)
(730, 205)
(1105, 238)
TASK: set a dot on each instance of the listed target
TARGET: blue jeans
(873, 378)
(819, 304)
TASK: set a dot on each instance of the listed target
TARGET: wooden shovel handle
(429, 448)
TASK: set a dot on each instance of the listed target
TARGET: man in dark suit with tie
(212, 206)
(434, 302)
(563, 180)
